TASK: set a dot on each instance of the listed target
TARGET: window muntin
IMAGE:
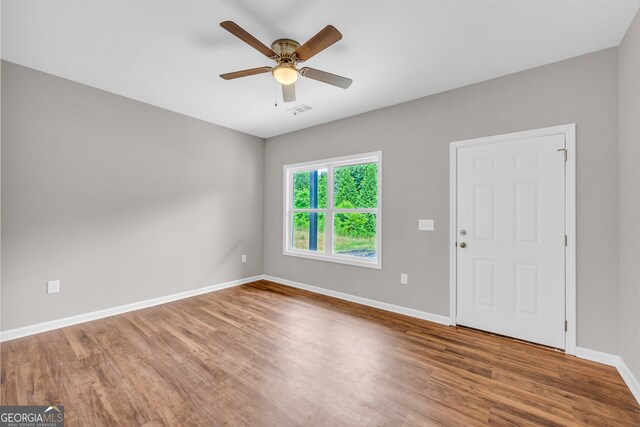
(333, 210)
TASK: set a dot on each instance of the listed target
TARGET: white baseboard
(597, 356)
(632, 382)
(615, 361)
(12, 334)
(436, 318)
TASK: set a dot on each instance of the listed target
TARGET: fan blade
(289, 92)
(237, 31)
(316, 44)
(324, 77)
(245, 73)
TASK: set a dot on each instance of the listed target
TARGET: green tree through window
(356, 187)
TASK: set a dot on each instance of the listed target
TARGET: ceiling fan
(288, 53)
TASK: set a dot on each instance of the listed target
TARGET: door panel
(484, 218)
(484, 282)
(527, 212)
(511, 216)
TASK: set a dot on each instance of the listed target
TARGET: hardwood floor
(269, 355)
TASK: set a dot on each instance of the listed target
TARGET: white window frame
(288, 211)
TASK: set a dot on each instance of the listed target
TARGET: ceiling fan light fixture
(287, 54)
(285, 75)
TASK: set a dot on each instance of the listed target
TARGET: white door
(511, 238)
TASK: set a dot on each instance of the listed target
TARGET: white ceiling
(169, 53)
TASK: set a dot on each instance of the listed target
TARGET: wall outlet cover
(404, 278)
(244, 258)
(53, 286)
(426, 225)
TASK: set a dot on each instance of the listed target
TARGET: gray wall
(415, 137)
(120, 200)
(123, 201)
(629, 110)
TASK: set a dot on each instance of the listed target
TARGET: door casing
(569, 130)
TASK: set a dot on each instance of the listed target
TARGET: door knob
(462, 245)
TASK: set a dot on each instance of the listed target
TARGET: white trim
(353, 159)
(337, 210)
(569, 130)
(571, 231)
(453, 231)
(597, 356)
(615, 361)
(436, 318)
(329, 211)
(340, 259)
(24, 331)
(631, 381)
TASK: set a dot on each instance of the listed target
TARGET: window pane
(355, 234)
(306, 225)
(310, 189)
(356, 186)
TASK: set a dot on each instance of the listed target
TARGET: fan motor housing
(284, 48)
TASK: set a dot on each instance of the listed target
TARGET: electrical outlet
(53, 286)
(404, 279)
(244, 258)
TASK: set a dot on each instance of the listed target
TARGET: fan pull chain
(275, 93)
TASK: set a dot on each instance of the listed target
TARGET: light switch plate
(244, 258)
(404, 279)
(426, 225)
(53, 286)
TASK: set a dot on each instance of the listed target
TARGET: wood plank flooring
(268, 355)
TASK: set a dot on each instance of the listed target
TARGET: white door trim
(569, 130)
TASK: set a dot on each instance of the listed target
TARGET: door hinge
(566, 241)
(565, 153)
(566, 325)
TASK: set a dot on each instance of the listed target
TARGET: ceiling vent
(298, 109)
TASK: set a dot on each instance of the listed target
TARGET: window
(333, 210)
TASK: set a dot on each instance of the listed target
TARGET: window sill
(376, 264)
